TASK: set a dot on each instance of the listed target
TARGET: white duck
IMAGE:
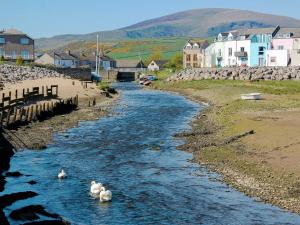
(62, 175)
(105, 195)
(96, 188)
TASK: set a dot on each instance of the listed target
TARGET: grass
(104, 85)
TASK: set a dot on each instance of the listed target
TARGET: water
(132, 152)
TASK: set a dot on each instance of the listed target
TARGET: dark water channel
(132, 151)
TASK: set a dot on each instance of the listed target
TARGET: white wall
(153, 66)
(230, 60)
(281, 57)
(247, 45)
(65, 63)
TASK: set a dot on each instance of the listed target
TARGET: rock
(238, 73)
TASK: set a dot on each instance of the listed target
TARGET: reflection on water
(132, 152)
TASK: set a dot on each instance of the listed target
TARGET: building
(193, 54)
(255, 47)
(295, 52)
(59, 59)
(284, 50)
(107, 63)
(14, 44)
(130, 64)
(157, 65)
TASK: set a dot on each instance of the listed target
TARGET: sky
(46, 18)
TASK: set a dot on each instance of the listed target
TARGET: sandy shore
(262, 164)
(37, 135)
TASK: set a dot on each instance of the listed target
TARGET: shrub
(19, 61)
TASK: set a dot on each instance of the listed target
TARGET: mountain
(193, 23)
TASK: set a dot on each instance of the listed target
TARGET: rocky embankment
(239, 73)
(10, 74)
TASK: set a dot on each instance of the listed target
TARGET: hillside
(132, 49)
(194, 23)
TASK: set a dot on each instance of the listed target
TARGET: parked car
(151, 77)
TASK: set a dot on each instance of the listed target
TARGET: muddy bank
(242, 141)
(227, 156)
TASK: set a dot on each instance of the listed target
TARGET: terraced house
(14, 44)
(255, 47)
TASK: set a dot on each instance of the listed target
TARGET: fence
(33, 105)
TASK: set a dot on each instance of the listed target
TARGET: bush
(19, 61)
(2, 59)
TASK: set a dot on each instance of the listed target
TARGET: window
(195, 65)
(24, 41)
(229, 51)
(25, 54)
(2, 40)
(273, 59)
(188, 65)
(261, 50)
(219, 52)
(280, 47)
(195, 57)
(188, 57)
(242, 49)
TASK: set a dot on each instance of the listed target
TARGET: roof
(12, 31)
(63, 55)
(129, 63)
(160, 63)
(202, 44)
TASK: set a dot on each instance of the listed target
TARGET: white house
(157, 65)
(59, 59)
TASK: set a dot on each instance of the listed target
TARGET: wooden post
(16, 94)
(23, 92)
(43, 90)
(15, 115)
(94, 102)
(3, 96)
(1, 119)
(8, 117)
(26, 114)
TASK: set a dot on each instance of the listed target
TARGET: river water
(133, 153)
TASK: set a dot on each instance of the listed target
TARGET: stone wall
(239, 73)
(10, 74)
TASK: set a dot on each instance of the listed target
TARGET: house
(107, 63)
(295, 52)
(130, 64)
(14, 44)
(60, 59)
(89, 60)
(157, 65)
(193, 54)
(284, 50)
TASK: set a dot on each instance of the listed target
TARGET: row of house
(250, 47)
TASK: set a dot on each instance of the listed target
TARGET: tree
(19, 61)
(175, 62)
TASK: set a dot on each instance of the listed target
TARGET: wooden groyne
(30, 105)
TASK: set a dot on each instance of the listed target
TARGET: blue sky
(45, 18)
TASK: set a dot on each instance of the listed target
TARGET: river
(133, 153)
